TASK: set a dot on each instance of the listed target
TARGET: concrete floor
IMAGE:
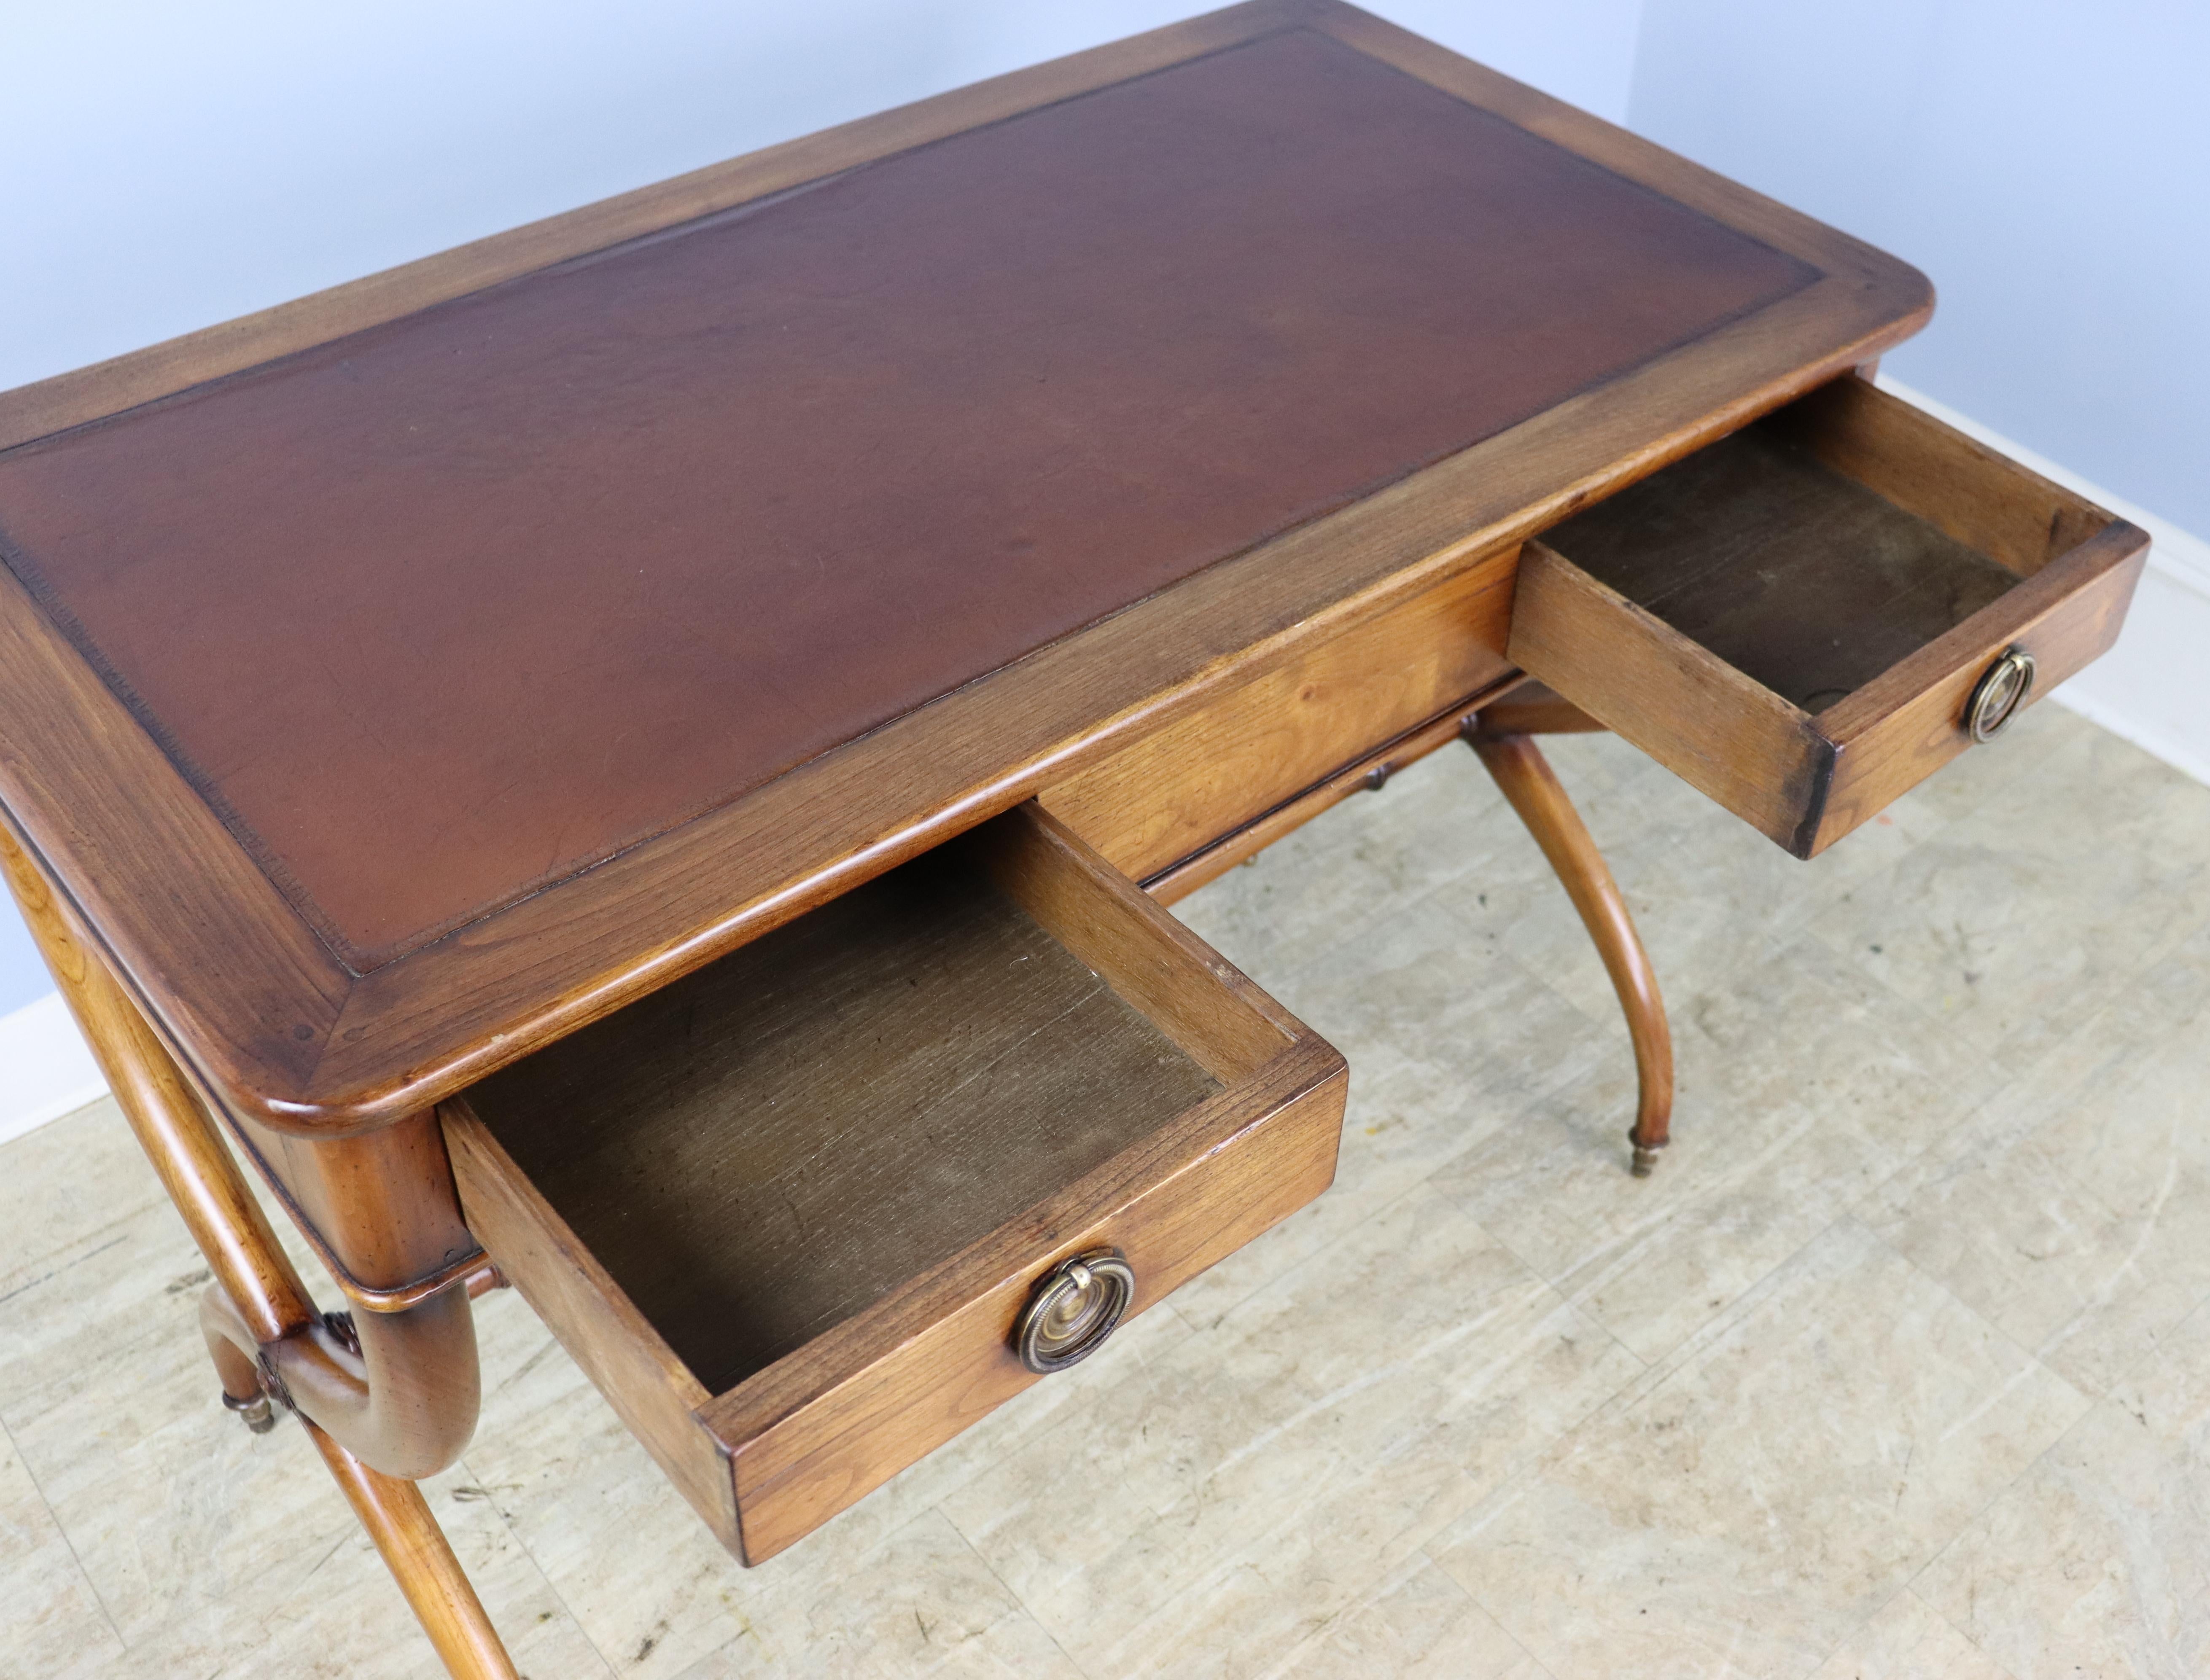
(1899, 1367)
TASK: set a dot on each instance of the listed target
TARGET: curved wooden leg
(421, 1561)
(400, 1389)
(1527, 781)
(411, 1401)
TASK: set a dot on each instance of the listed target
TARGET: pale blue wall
(23, 976)
(166, 166)
(2047, 162)
(169, 166)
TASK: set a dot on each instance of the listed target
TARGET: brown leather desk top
(435, 615)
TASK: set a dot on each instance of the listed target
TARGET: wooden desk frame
(266, 1015)
(390, 1394)
(210, 1003)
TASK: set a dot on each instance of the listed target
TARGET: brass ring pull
(1999, 694)
(1074, 1307)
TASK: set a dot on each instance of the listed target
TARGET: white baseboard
(2152, 689)
(46, 1070)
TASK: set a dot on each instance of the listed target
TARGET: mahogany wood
(978, 1108)
(1771, 623)
(1527, 781)
(290, 1034)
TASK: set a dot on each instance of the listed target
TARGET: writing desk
(626, 758)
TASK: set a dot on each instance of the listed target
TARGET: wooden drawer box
(787, 1212)
(1799, 618)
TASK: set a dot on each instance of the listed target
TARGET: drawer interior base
(1803, 580)
(788, 1212)
(766, 1147)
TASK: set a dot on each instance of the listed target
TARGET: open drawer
(1807, 618)
(793, 1213)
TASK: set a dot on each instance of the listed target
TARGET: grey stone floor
(1900, 1367)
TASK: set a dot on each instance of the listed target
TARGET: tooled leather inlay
(444, 612)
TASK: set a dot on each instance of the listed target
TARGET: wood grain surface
(1768, 620)
(1370, 773)
(1904, 726)
(1225, 764)
(281, 946)
(1811, 584)
(808, 1440)
(1719, 730)
(1983, 500)
(817, 1180)
(627, 1360)
(767, 1147)
(1524, 776)
(399, 1521)
(648, 528)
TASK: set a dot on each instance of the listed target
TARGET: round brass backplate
(1074, 1306)
(1998, 695)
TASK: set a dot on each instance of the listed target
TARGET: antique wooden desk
(625, 758)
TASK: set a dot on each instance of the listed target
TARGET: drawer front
(629, 1181)
(809, 1440)
(1219, 768)
(1891, 737)
(1854, 547)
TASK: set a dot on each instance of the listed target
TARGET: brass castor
(255, 1412)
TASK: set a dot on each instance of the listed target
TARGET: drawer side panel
(1704, 720)
(617, 1349)
(1983, 499)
